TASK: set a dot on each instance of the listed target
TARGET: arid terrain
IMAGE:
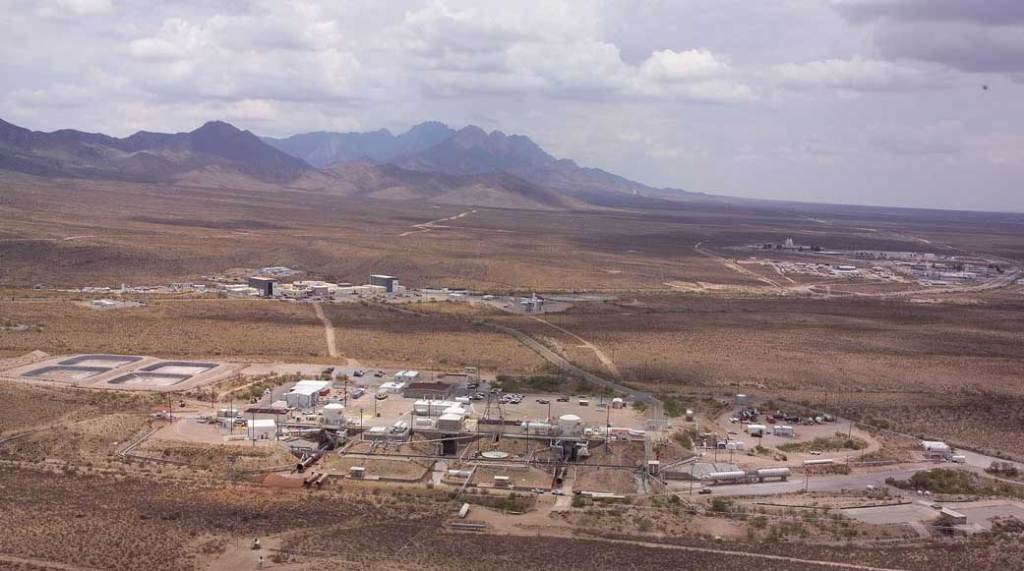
(673, 309)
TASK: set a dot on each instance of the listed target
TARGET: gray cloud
(987, 12)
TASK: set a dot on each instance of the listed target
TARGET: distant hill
(145, 156)
(433, 147)
(323, 149)
(431, 162)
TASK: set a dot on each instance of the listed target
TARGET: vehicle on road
(381, 396)
(358, 373)
(543, 401)
(704, 491)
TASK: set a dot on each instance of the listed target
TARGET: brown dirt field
(382, 335)
(214, 456)
(213, 328)
(27, 406)
(399, 468)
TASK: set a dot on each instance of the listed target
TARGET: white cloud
(551, 48)
(854, 74)
(85, 7)
(689, 65)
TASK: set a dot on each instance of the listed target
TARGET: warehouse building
(266, 287)
(389, 283)
(305, 394)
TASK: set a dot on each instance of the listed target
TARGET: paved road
(796, 483)
(983, 461)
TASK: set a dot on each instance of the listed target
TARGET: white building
(425, 407)
(936, 448)
(305, 394)
(755, 429)
(407, 376)
(450, 422)
(784, 430)
(261, 429)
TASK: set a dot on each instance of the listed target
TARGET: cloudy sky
(852, 101)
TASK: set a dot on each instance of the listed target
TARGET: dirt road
(424, 227)
(601, 356)
(332, 348)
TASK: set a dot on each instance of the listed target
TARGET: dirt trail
(332, 348)
(434, 224)
(735, 267)
(608, 363)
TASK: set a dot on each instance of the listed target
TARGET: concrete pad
(896, 514)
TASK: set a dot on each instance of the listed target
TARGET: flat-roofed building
(389, 283)
(265, 286)
(305, 394)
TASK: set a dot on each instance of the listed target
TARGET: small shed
(261, 429)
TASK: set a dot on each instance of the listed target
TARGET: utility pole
(360, 423)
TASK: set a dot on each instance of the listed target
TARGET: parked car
(543, 401)
(562, 399)
(704, 491)
(381, 396)
(358, 373)
(379, 374)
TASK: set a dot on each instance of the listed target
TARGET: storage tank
(459, 473)
(781, 473)
(569, 424)
(731, 476)
(819, 462)
(536, 427)
(334, 414)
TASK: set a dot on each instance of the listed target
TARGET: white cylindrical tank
(536, 427)
(459, 473)
(728, 476)
(819, 462)
(773, 473)
(569, 424)
(334, 414)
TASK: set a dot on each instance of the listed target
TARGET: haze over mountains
(430, 162)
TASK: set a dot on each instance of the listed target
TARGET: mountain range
(429, 162)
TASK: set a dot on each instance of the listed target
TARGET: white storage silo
(334, 414)
(569, 425)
